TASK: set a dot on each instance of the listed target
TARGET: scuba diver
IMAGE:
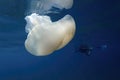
(86, 49)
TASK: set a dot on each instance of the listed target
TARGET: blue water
(97, 22)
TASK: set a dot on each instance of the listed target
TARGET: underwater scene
(59, 40)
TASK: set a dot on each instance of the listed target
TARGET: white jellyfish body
(45, 36)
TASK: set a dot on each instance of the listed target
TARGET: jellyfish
(45, 36)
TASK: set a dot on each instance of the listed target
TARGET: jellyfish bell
(45, 36)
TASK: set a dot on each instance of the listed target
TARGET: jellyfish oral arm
(45, 6)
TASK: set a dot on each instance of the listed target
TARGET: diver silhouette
(87, 50)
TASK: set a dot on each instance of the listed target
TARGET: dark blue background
(97, 23)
